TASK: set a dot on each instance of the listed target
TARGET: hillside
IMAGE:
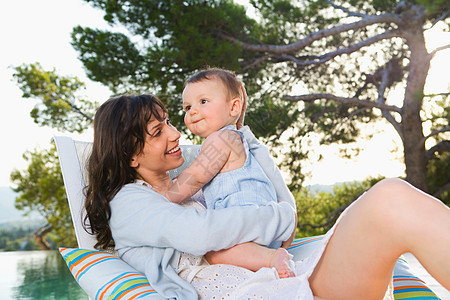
(8, 212)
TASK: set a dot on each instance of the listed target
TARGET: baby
(214, 101)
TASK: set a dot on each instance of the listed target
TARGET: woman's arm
(142, 217)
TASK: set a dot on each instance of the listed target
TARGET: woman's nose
(174, 133)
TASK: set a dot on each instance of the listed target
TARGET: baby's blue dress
(247, 185)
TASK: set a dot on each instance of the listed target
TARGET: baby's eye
(187, 108)
(203, 101)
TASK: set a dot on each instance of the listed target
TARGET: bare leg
(390, 219)
(253, 257)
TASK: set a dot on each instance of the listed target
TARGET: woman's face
(161, 151)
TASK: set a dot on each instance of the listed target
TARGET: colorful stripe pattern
(411, 287)
(304, 241)
(105, 276)
(406, 285)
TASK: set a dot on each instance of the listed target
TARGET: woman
(135, 146)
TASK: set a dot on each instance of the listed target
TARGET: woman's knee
(383, 204)
(390, 193)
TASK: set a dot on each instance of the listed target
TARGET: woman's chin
(177, 158)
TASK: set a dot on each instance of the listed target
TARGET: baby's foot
(280, 261)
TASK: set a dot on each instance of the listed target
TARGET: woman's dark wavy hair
(120, 130)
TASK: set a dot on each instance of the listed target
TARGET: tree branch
(356, 112)
(346, 10)
(442, 17)
(442, 189)
(255, 62)
(39, 236)
(347, 50)
(78, 110)
(442, 146)
(382, 100)
(435, 132)
(354, 101)
(55, 98)
(433, 53)
(438, 94)
(308, 40)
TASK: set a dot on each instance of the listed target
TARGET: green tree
(347, 57)
(318, 212)
(41, 189)
(60, 105)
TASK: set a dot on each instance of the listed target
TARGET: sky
(39, 31)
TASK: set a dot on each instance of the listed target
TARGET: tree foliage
(317, 212)
(311, 67)
(59, 105)
(41, 189)
(346, 57)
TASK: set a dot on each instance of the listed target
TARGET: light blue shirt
(149, 231)
(247, 185)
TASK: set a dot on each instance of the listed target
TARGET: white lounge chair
(103, 276)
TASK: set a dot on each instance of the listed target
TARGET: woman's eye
(168, 121)
(156, 134)
(204, 101)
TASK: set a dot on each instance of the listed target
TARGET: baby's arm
(253, 257)
(213, 156)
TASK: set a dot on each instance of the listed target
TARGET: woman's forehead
(157, 119)
(158, 114)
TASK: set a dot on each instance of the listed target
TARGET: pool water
(36, 275)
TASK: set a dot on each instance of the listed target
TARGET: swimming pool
(36, 275)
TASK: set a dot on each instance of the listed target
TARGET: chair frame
(68, 153)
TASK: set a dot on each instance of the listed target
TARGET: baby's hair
(228, 78)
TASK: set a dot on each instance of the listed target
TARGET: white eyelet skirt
(230, 282)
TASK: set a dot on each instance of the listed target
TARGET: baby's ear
(236, 106)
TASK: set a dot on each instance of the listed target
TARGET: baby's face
(207, 107)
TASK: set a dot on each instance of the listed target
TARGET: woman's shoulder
(137, 186)
(136, 191)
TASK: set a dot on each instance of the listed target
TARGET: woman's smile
(175, 151)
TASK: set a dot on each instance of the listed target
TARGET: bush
(318, 212)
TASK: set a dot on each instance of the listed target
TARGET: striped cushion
(406, 285)
(104, 276)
